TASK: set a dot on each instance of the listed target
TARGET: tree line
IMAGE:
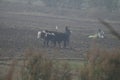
(110, 5)
(78, 4)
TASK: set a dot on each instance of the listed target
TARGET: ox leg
(54, 43)
(59, 44)
(44, 42)
(47, 43)
(65, 44)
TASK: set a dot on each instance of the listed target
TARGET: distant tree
(29, 2)
(1, 1)
(109, 4)
(49, 2)
(75, 3)
(79, 3)
(93, 3)
(63, 3)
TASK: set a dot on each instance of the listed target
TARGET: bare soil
(19, 26)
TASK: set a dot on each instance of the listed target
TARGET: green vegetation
(99, 65)
(102, 65)
(38, 66)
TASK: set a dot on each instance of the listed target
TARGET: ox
(55, 37)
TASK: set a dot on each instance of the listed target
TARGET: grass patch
(99, 65)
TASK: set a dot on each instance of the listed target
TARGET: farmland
(20, 22)
(19, 26)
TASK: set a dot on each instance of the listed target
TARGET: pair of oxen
(55, 37)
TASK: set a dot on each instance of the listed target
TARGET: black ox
(55, 37)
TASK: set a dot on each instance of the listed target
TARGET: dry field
(19, 26)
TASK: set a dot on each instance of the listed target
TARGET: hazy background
(21, 19)
(108, 9)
